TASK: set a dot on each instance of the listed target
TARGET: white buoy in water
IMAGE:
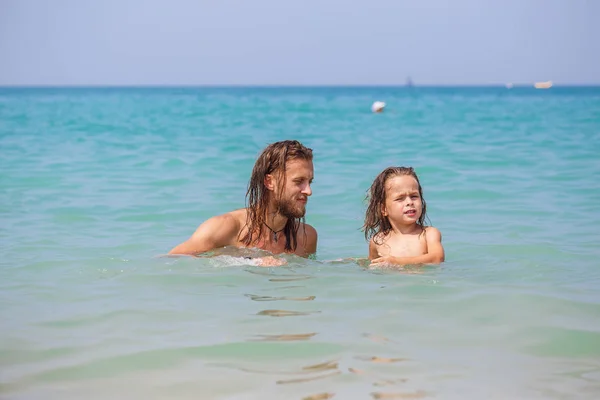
(378, 106)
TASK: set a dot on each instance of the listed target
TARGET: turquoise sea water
(96, 183)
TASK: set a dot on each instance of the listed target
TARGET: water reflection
(285, 313)
(414, 395)
(376, 338)
(382, 360)
(312, 378)
(387, 382)
(297, 278)
(319, 396)
(271, 298)
(284, 337)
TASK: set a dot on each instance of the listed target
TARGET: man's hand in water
(270, 261)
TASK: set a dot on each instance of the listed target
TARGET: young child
(395, 221)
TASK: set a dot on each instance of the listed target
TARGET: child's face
(403, 204)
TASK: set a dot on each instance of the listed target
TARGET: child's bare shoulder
(379, 238)
(432, 233)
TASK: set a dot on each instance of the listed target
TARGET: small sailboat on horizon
(543, 85)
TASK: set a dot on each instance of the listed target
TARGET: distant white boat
(543, 85)
(509, 85)
(378, 106)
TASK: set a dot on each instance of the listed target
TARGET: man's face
(294, 195)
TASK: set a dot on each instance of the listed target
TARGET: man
(276, 203)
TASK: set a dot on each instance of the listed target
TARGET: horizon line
(277, 85)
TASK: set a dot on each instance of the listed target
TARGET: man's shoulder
(238, 215)
(310, 235)
(307, 241)
(230, 219)
(310, 230)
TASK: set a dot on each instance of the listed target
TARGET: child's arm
(373, 253)
(435, 252)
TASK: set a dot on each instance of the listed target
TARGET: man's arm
(435, 252)
(213, 233)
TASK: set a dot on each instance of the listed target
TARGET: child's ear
(384, 211)
(269, 182)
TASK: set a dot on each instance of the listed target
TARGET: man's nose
(307, 190)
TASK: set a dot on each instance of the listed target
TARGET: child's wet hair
(375, 222)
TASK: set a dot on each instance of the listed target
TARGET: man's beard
(288, 209)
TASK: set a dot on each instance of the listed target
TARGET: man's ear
(269, 182)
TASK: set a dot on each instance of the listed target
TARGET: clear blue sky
(194, 42)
